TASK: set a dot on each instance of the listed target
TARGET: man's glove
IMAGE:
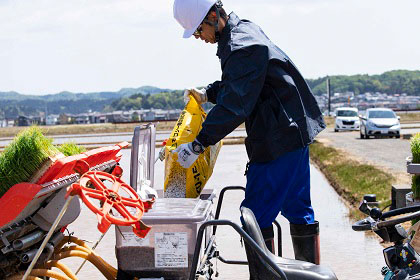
(188, 153)
(199, 94)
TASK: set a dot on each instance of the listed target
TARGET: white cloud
(48, 46)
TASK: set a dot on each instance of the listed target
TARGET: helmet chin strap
(216, 23)
(216, 27)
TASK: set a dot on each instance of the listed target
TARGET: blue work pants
(281, 185)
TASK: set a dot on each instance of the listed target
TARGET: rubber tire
(398, 136)
(335, 130)
(366, 135)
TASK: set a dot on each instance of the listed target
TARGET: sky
(49, 46)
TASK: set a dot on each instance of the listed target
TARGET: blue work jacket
(262, 87)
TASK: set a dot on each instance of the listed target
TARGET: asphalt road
(387, 153)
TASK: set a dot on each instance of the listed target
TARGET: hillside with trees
(164, 100)
(392, 82)
(13, 104)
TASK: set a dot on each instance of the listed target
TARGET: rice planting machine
(156, 237)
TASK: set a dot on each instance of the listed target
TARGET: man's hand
(199, 95)
(188, 153)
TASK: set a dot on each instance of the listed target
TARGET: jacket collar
(225, 35)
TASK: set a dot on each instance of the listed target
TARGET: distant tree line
(392, 82)
(398, 81)
(32, 107)
(163, 100)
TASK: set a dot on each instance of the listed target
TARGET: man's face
(207, 33)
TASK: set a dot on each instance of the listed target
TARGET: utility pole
(46, 113)
(329, 95)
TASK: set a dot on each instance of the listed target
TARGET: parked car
(380, 122)
(346, 118)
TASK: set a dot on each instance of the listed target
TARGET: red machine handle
(105, 189)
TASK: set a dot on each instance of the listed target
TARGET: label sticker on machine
(130, 239)
(171, 249)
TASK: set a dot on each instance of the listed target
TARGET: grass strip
(408, 116)
(352, 179)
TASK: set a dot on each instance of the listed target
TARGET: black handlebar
(396, 221)
(400, 211)
(378, 221)
(363, 225)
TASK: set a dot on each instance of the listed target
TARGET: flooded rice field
(109, 137)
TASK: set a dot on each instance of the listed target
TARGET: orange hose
(112, 269)
(85, 250)
(82, 248)
(79, 242)
(103, 267)
(62, 267)
(71, 239)
(75, 247)
(48, 273)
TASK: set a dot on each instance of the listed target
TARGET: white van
(346, 118)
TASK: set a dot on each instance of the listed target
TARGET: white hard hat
(190, 13)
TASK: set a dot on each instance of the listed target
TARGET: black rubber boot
(268, 234)
(305, 239)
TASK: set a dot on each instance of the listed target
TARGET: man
(262, 87)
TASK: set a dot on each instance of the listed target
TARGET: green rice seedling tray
(55, 175)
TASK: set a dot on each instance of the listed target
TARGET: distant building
(81, 119)
(25, 121)
(3, 122)
(51, 120)
(64, 119)
(174, 114)
(118, 116)
(160, 115)
(95, 117)
(367, 100)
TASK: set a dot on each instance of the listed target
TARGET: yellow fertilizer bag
(188, 182)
